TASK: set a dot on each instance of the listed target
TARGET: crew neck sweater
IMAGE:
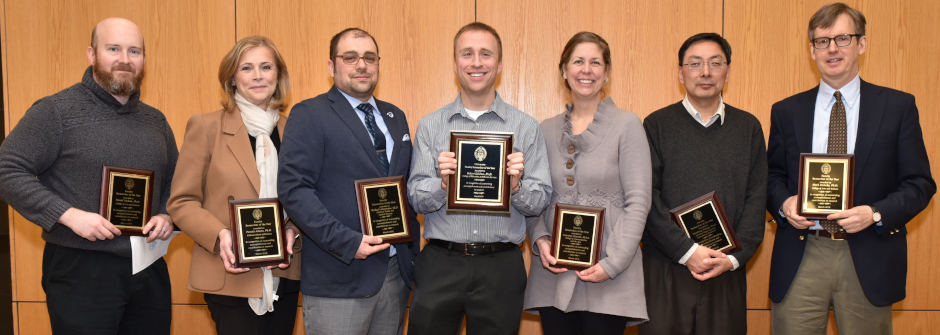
(53, 158)
(689, 161)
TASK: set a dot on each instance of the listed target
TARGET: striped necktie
(377, 137)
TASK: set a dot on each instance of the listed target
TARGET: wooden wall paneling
(33, 318)
(916, 322)
(415, 41)
(772, 62)
(27, 257)
(909, 65)
(6, 103)
(183, 40)
(758, 320)
(13, 282)
(758, 271)
(192, 319)
(16, 319)
(644, 38)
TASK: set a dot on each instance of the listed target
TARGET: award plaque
(704, 220)
(125, 198)
(826, 184)
(258, 232)
(577, 235)
(480, 182)
(383, 209)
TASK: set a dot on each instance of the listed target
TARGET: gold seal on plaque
(697, 215)
(129, 183)
(578, 221)
(479, 153)
(826, 168)
(256, 214)
(383, 193)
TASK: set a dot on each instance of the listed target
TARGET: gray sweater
(690, 160)
(611, 169)
(52, 159)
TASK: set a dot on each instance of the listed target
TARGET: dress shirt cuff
(734, 263)
(439, 196)
(688, 254)
(529, 200)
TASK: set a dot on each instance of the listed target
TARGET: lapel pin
(390, 115)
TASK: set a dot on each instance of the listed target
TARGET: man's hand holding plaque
(478, 171)
(705, 222)
(383, 209)
(258, 232)
(576, 236)
(826, 185)
(126, 195)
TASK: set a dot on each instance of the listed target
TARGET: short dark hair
(480, 26)
(826, 16)
(357, 33)
(578, 39)
(722, 42)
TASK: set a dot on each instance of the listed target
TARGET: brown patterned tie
(836, 145)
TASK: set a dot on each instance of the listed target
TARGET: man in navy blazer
(859, 265)
(352, 283)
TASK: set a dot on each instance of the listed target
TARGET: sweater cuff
(53, 213)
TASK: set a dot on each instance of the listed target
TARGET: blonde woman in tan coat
(231, 154)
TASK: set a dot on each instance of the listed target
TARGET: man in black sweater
(50, 172)
(697, 146)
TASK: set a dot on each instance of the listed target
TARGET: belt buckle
(833, 237)
(477, 248)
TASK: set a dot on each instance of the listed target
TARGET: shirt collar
(850, 93)
(499, 107)
(356, 102)
(698, 116)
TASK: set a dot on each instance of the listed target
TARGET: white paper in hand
(143, 254)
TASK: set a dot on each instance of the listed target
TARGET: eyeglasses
(698, 65)
(353, 58)
(841, 41)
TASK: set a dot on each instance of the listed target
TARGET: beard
(116, 85)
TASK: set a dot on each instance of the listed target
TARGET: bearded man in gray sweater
(697, 146)
(50, 172)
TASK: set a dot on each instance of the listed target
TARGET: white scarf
(260, 124)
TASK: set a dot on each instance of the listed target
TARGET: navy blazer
(891, 172)
(325, 148)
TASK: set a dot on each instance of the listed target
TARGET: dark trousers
(487, 289)
(557, 322)
(93, 292)
(232, 315)
(678, 303)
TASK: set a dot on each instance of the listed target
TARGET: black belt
(474, 249)
(838, 236)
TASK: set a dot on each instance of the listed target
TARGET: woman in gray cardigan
(598, 156)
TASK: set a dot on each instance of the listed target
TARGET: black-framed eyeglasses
(698, 64)
(843, 40)
(353, 58)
